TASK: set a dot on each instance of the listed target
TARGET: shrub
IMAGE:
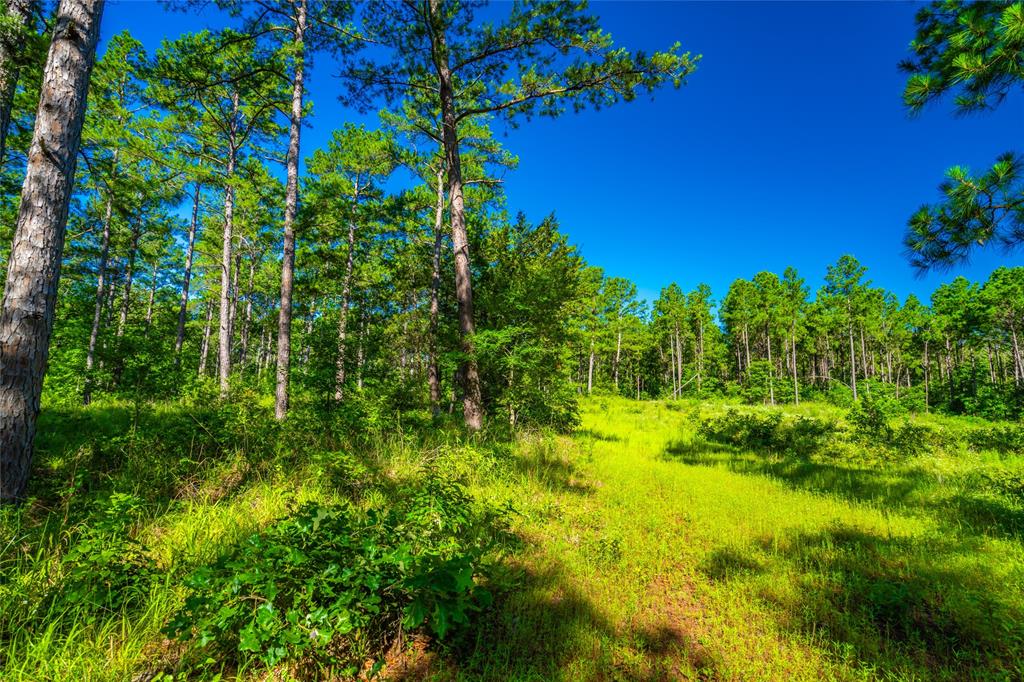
(107, 569)
(1003, 439)
(332, 583)
(802, 436)
(870, 420)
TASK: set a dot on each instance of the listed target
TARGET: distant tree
(972, 49)
(794, 308)
(222, 78)
(843, 284)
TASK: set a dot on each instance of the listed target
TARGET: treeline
(770, 342)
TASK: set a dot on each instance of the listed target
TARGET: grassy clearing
(643, 551)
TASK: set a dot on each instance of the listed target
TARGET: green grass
(644, 552)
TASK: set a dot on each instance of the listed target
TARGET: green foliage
(768, 431)
(106, 569)
(971, 49)
(331, 582)
(1003, 438)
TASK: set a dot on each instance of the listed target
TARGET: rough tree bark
(247, 320)
(152, 295)
(179, 338)
(284, 321)
(33, 271)
(472, 399)
(796, 382)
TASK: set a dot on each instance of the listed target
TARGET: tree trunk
(129, 278)
(284, 321)
(359, 349)
(672, 363)
(679, 360)
(700, 353)
(346, 289)
(863, 354)
(179, 338)
(307, 333)
(11, 57)
(746, 346)
(590, 369)
(796, 382)
(771, 367)
(246, 321)
(434, 366)
(927, 375)
(224, 331)
(618, 355)
(1018, 359)
(853, 365)
(33, 269)
(233, 313)
(472, 400)
(152, 295)
(205, 350)
(97, 315)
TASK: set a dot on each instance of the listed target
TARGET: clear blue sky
(789, 145)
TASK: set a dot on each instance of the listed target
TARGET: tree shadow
(543, 628)
(556, 473)
(903, 604)
(897, 487)
(727, 562)
(598, 435)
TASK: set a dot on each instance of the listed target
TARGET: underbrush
(200, 539)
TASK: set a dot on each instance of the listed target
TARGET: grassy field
(641, 549)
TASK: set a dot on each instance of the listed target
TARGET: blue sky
(788, 146)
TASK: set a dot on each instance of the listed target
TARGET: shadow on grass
(728, 562)
(552, 472)
(896, 487)
(546, 629)
(597, 435)
(904, 604)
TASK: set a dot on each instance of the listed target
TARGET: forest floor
(643, 551)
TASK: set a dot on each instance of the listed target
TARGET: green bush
(332, 584)
(802, 436)
(1003, 439)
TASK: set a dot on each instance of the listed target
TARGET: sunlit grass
(645, 553)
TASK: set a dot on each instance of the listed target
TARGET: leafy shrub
(107, 569)
(769, 431)
(1003, 439)
(1006, 482)
(911, 439)
(870, 420)
(332, 583)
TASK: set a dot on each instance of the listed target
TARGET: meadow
(660, 540)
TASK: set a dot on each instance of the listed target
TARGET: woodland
(273, 412)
